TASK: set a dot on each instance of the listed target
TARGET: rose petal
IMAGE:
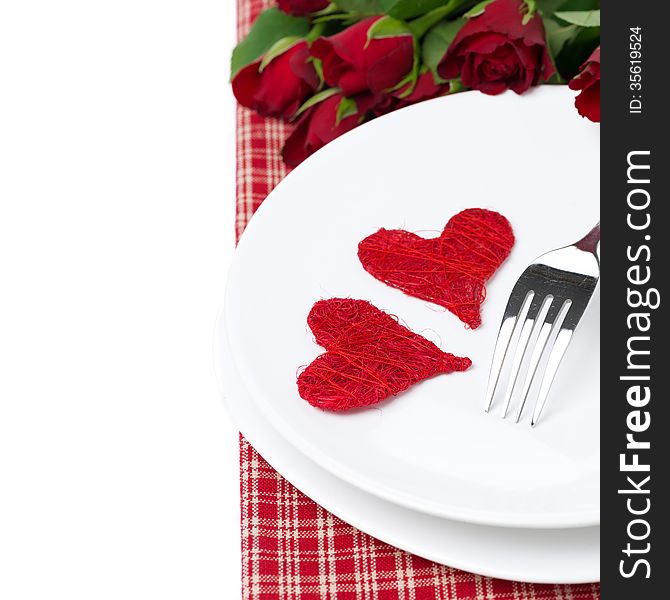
(588, 102)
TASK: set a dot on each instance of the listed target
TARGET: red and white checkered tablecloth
(292, 549)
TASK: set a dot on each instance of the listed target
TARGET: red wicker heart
(369, 357)
(449, 270)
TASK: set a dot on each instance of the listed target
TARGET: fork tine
(561, 282)
(557, 352)
(509, 326)
(536, 316)
(540, 347)
(516, 361)
(532, 366)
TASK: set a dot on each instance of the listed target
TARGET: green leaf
(346, 108)
(388, 27)
(477, 9)
(364, 7)
(547, 7)
(438, 40)
(315, 99)
(577, 50)
(277, 49)
(569, 5)
(583, 18)
(337, 19)
(558, 35)
(270, 27)
(409, 9)
(425, 23)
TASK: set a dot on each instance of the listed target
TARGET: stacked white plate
(428, 471)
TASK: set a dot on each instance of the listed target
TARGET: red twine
(369, 357)
(449, 270)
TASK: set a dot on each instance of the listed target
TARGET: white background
(118, 466)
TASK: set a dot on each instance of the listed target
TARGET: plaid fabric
(292, 549)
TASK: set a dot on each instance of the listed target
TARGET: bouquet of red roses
(329, 66)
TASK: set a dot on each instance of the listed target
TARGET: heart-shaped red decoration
(449, 270)
(369, 357)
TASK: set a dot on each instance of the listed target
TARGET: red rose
(300, 8)
(319, 125)
(281, 86)
(588, 80)
(356, 64)
(496, 51)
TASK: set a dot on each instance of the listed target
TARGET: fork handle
(591, 241)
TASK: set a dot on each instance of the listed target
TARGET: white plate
(432, 448)
(534, 555)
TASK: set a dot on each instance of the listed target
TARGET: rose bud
(356, 63)
(278, 88)
(319, 125)
(588, 80)
(495, 51)
(385, 104)
(424, 89)
(300, 8)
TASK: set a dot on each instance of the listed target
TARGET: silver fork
(543, 310)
